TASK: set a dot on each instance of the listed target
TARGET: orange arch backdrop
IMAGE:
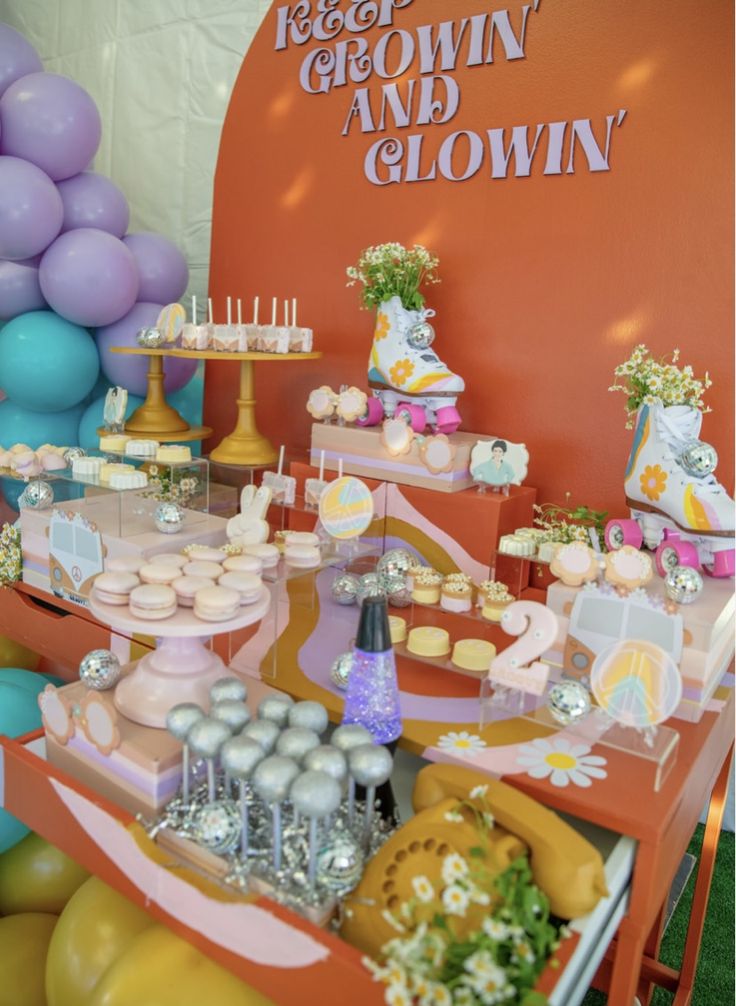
(547, 280)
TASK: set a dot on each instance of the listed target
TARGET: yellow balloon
(14, 654)
(24, 940)
(94, 929)
(160, 969)
(35, 876)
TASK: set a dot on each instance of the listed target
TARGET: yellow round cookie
(429, 641)
(473, 654)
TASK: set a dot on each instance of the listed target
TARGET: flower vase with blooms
(476, 938)
(648, 381)
(391, 270)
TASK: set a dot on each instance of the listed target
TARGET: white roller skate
(406, 375)
(677, 505)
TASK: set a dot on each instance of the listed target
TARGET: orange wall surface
(548, 281)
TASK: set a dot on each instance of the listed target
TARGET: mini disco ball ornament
(569, 701)
(168, 518)
(420, 336)
(340, 863)
(149, 338)
(683, 584)
(36, 496)
(395, 562)
(397, 591)
(72, 453)
(340, 670)
(345, 588)
(217, 826)
(99, 670)
(699, 459)
(370, 586)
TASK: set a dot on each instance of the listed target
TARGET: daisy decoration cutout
(562, 762)
(461, 743)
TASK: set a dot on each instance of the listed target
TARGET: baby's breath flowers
(439, 959)
(391, 270)
(11, 556)
(647, 380)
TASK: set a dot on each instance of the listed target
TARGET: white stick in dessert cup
(317, 796)
(194, 309)
(240, 312)
(239, 757)
(256, 303)
(339, 468)
(272, 781)
(273, 313)
(229, 311)
(210, 315)
(179, 721)
(293, 311)
(205, 740)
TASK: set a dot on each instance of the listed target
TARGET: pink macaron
(158, 573)
(216, 604)
(187, 586)
(212, 570)
(248, 585)
(175, 559)
(152, 601)
(124, 564)
(242, 564)
(203, 553)
(114, 588)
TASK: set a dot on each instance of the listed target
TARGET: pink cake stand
(181, 668)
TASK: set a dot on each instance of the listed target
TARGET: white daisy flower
(480, 964)
(462, 996)
(490, 987)
(395, 974)
(562, 761)
(454, 816)
(478, 791)
(496, 929)
(397, 995)
(440, 995)
(455, 900)
(523, 952)
(461, 743)
(422, 888)
(453, 868)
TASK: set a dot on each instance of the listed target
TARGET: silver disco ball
(149, 338)
(36, 496)
(99, 670)
(168, 518)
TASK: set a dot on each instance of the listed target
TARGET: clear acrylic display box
(126, 513)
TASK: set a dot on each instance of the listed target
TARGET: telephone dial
(564, 865)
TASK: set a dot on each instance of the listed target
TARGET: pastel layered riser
(141, 775)
(362, 453)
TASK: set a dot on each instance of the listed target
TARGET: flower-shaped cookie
(56, 715)
(437, 454)
(628, 567)
(351, 404)
(321, 402)
(100, 723)
(397, 437)
(574, 563)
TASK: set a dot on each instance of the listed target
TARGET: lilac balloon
(91, 200)
(20, 290)
(17, 57)
(52, 121)
(31, 211)
(130, 371)
(162, 267)
(89, 277)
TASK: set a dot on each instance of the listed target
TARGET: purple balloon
(91, 200)
(17, 57)
(31, 210)
(130, 371)
(162, 267)
(89, 277)
(20, 290)
(52, 121)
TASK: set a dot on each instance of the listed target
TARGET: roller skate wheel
(448, 419)
(675, 553)
(414, 415)
(622, 532)
(723, 564)
(373, 413)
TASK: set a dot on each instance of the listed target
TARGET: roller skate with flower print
(406, 376)
(677, 505)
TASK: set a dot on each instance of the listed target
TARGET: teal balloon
(30, 681)
(19, 714)
(19, 425)
(93, 417)
(47, 363)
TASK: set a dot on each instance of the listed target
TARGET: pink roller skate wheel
(673, 552)
(448, 420)
(373, 413)
(414, 414)
(723, 564)
(622, 532)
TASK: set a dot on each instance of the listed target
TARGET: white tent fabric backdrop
(161, 73)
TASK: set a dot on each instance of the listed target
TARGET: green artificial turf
(714, 981)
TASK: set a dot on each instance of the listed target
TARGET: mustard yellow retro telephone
(564, 864)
